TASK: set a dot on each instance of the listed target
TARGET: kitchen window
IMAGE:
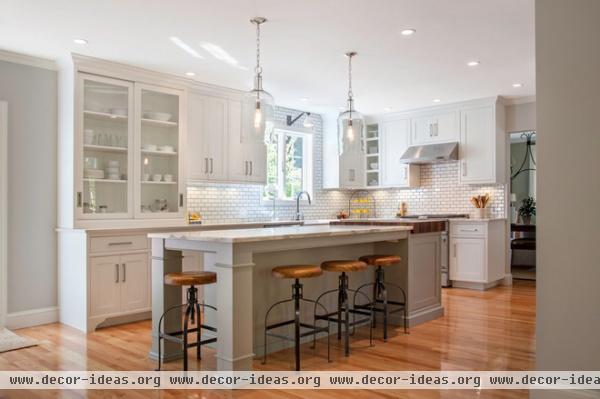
(289, 165)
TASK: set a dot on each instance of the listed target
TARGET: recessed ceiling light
(473, 63)
(190, 74)
(517, 85)
(304, 99)
(387, 109)
(436, 100)
(80, 41)
(408, 32)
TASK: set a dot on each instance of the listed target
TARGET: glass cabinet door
(105, 131)
(159, 193)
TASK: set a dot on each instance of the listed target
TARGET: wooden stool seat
(343, 266)
(296, 271)
(380, 260)
(190, 278)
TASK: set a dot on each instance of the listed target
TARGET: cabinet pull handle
(124, 272)
(79, 199)
(111, 244)
(469, 230)
(430, 133)
(246, 172)
(464, 168)
(117, 269)
(251, 168)
(437, 129)
(211, 165)
(454, 251)
(180, 200)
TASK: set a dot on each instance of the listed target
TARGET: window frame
(308, 166)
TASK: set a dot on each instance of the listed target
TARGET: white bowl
(156, 177)
(113, 171)
(146, 177)
(166, 148)
(168, 178)
(93, 173)
(149, 147)
(114, 176)
(158, 116)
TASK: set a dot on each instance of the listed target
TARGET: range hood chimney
(430, 153)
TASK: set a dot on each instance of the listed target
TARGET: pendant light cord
(350, 94)
(258, 69)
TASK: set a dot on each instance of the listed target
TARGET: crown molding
(24, 59)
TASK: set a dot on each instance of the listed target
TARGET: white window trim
(308, 159)
(3, 210)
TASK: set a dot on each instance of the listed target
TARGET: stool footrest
(333, 317)
(191, 330)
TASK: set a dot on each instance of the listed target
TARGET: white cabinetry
(207, 138)
(482, 149)
(477, 253)
(394, 140)
(247, 158)
(435, 127)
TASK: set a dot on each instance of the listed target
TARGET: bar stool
(343, 311)
(192, 310)
(295, 272)
(380, 295)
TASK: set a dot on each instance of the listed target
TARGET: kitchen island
(245, 289)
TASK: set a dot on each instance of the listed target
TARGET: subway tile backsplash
(440, 192)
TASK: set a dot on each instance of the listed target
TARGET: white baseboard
(508, 280)
(30, 318)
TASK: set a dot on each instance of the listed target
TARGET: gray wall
(568, 101)
(31, 94)
(521, 117)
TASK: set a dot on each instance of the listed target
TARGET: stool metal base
(192, 310)
(380, 297)
(342, 315)
(313, 330)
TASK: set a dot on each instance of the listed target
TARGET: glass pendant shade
(259, 111)
(351, 132)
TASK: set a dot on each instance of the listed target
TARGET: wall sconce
(308, 123)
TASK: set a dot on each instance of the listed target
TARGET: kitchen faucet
(299, 215)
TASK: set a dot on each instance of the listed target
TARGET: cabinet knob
(117, 269)
(79, 199)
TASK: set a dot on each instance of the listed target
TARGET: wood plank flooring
(492, 330)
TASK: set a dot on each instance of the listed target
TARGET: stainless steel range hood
(430, 153)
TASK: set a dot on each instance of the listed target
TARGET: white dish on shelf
(168, 178)
(149, 147)
(156, 177)
(113, 171)
(113, 164)
(93, 173)
(166, 148)
(158, 116)
(114, 176)
(374, 165)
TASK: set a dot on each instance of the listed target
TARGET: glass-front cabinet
(158, 165)
(128, 163)
(372, 167)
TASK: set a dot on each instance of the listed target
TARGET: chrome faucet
(300, 215)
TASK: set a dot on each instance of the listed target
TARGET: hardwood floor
(492, 330)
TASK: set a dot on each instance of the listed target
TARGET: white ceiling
(302, 44)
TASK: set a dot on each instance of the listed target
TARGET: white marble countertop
(473, 220)
(276, 233)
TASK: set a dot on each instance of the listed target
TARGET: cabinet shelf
(104, 115)
(87, 180)
(104, 148)
(160, 182)
(155, 122)
(160, 153)
(372, 155)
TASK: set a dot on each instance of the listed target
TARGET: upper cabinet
(207, 137)
(395, 136)
(435, 127)
(483, 141)
(219, 149)
(127, 153)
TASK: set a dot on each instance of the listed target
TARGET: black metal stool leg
(346, 307)
(188, 311)
(199, 331)
(297, 291)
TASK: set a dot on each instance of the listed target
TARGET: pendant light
(351, 124)
(258, 104)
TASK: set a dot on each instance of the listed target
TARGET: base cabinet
(477, 253)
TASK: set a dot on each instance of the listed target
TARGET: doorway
(523, 205)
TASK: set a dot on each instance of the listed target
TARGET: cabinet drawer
(118, 243)
(468, 229)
